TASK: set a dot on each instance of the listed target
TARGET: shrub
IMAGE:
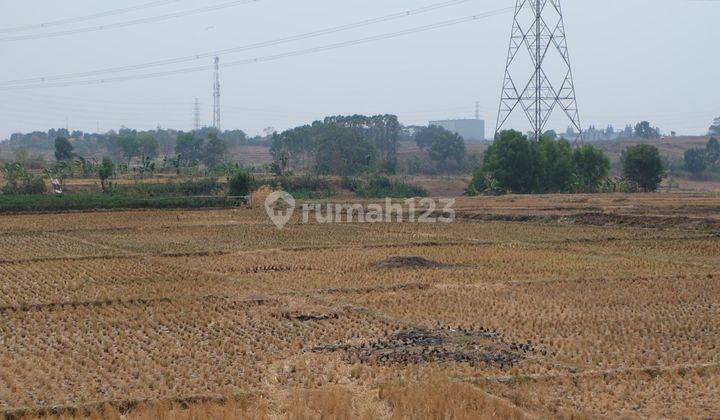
(92, 201)
(19, 181)
(204, 186)
(351, 184)
(306, 186)
(482, 183)
(380, 187)
(241, 184)
(106, 170)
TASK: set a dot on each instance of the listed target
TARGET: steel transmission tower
(216, 95)
(538, 31)
(196, 123)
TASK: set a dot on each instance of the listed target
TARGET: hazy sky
(633, 59)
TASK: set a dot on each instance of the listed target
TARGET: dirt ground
(558, 306)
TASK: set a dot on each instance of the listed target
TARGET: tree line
(515, 163)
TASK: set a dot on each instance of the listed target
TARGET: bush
(351, 184)
(93, 201)
(19, 181)
(381, 187)
(484, 184)
(205, 186)
(241, 184)
(306, 186)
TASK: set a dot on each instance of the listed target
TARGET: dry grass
(217, 314)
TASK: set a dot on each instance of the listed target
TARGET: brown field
(525, 307)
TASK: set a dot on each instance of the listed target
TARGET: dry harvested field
(525, 307)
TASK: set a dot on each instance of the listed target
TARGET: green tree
(712, 152)
(214, 152)
(381, 131)
(445, 146)
(106, 170)
(551, 134)
(695, 161)
(424, 137)
(644, 130)
(147, 145)
(189, 147)
(514, 162)
(643, 166)
(556, 165)
(591, 167)
(63, 149)
(129, 145)
(340, 150)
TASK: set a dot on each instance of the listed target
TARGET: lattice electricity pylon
(538, 26)
(216, 95)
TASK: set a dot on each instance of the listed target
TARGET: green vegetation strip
(100, 201)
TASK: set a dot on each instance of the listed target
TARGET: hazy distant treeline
(119, 145)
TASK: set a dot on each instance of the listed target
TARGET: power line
(67, 21)
(139, 21)
(275, 42)
(268, 58)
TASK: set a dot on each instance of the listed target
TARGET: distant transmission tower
(539, 31)
(216, 95)
(477, 110)
(197, 114)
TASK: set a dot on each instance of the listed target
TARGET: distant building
(594, 134)
(470, 130)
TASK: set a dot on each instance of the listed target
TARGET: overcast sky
(632, 59)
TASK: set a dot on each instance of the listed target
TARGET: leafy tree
(551, 134)
(556, 165)
(234, 137)
(695, 161)
(514, 162)
(147, 145)
(448, 147)
(106, 170)
(425, 136)
(296, 147)
(241, 184)
(643, 166)
(129, 145)
(712, 152)
(340, 150)
(644, 130)
(591, 167)
(63, 149)
(443, 145)
(715, 127)
(381, 131)
(214, 152)
(190, 148)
